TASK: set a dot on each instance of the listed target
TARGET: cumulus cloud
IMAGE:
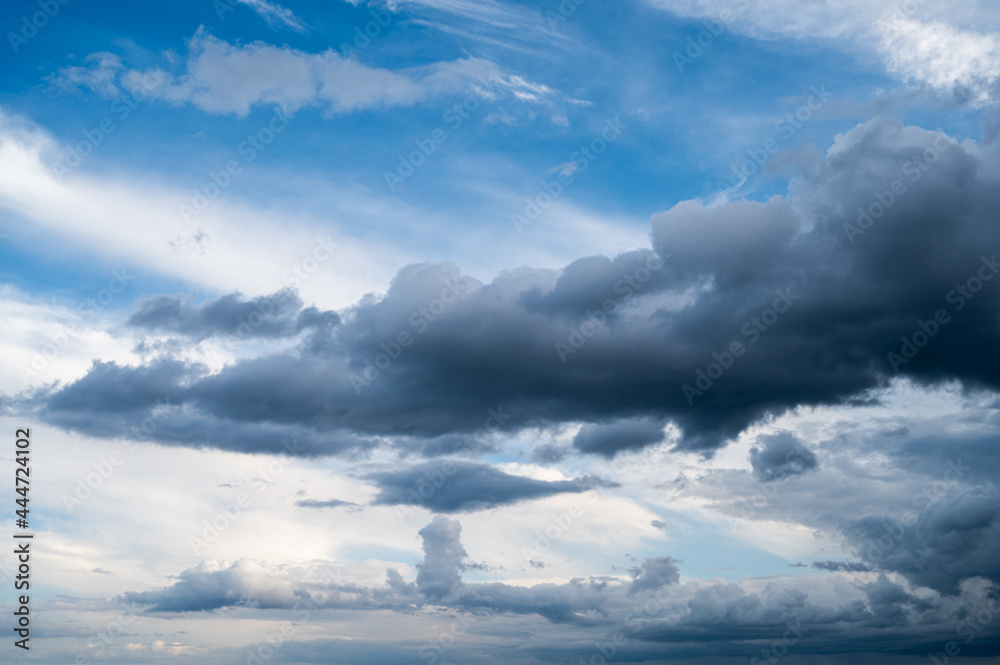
(840, 282)
(280, 314)
(947, 543)
(779, 456)
(654, 609)
(654, 573)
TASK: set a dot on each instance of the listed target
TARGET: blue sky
(227, 226)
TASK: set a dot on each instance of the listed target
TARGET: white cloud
(275, 14)
(942, 56)
(99, 75)
(932, 42)
(134, 223)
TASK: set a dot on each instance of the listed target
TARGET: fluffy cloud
(827, 304)
(932, 42)
(781, 455)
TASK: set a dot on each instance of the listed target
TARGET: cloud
(654, 573)
(99, 75)
(280, 314)
(328, 503)
(814, 302)
(927, 41)
(440, 574)
(607, 440)
(936, 54)
(275, 14)
(454, 486)
(226, 78)
(780, 456)
(504, 25)
(949, 542)
(842, 566)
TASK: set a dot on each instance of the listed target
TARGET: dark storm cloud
(451, 487)
(952, 540)
(440, 573)
(607, 440)
(277, 315)
(816, 299)
(779, 456)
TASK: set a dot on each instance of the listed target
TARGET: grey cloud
(654, 573)
(950, 541)
(454, 486)
(780, 456)
(607, 440)
(842, 566)
(280, 314)
(846, 301)
(653, 609)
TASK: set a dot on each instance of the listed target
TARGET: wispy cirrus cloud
(275, 14)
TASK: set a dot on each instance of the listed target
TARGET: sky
(485, 331)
